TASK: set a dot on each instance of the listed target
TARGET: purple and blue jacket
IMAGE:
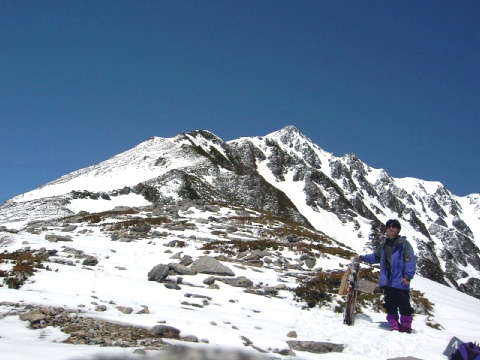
(402, 263)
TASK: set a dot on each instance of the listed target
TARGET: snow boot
(393, 322)
(406, 323)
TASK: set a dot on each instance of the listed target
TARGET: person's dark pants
(397, 300)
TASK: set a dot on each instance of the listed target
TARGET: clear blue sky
(395, 82)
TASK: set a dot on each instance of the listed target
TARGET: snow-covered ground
(120, 278)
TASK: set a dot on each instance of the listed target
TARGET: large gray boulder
(181, 269)
(209, 265)
(90, 261)
(143, 228)
(158, 273)
(186, 260)
(165, 331)
(240, 281)
(57, 238)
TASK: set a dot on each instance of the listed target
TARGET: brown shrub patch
(139, 221)
(25, 264)
(97, 217)
(318, 290)
(233, 247)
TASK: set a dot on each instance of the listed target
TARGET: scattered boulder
(123, 209)
(165, 331)
(198, 296)
(315, 346)
(209, 280)
(255, 263)
(124, 309)
(90, 261)
(143, 228)
(57, 238)
(240, 281)
(175, 226)
(172, 286)
(186, 260)
(145, 310)
(310, 261)
(255, 255)
(117, 235)
(212, 208)
(63, 262)
(158, 273)
(293, 238)
(209, 265)
(231, 229)
(269, 291)
(292, 334)
(176, 243)
(69, 228)
(176, 256)
(190, 338)
(78, 254)
(181, 269)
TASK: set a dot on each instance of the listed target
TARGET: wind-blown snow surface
(121, 278)
(126, 169)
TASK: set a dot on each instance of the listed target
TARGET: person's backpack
(467, 351)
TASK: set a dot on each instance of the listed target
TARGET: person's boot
(406, 323)
(393, 322)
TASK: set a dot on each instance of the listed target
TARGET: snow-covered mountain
(193, 243)
(283, 173)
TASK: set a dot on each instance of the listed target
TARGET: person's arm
(410, 264)
(373, 258)
(370, 258)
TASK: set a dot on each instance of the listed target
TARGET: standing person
(397, 268)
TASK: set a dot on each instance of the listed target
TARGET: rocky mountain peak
(291, 137)
(285, 174)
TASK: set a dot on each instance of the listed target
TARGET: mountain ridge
(288, 175)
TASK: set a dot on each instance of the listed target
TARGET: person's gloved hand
(355, 257)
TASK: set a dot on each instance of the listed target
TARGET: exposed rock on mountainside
(284, 174)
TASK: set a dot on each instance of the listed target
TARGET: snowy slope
(231, 314)
(126, 169)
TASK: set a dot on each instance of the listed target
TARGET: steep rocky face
(286, 174)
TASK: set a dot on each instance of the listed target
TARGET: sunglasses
(393, 226)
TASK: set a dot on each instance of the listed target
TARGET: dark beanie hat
(394, 223)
